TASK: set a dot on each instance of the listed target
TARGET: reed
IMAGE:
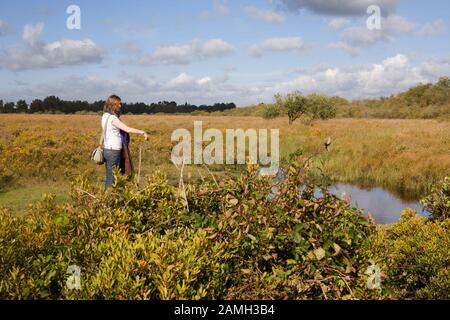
(403, 156)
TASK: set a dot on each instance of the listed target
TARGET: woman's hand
(122, 126)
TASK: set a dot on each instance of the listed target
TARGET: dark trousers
(112, 160)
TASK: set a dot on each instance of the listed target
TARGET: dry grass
(403, 156)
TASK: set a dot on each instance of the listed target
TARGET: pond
(384, 206)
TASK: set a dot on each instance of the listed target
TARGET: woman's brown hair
(113, 105)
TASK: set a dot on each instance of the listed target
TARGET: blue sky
(206, 51)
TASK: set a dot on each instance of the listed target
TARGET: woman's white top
(113, 140)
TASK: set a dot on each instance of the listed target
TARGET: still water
(384, 206)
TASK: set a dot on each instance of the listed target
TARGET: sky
(208, 51)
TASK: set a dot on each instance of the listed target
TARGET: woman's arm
(122, 126)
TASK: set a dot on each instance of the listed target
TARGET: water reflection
(384, 206)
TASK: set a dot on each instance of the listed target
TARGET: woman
(113, 144)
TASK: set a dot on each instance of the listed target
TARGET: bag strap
(103, 136)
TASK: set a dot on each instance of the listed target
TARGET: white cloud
(36, 54)
(357, 37)
(186, 53)
(434, 68)
(32, 33)
(338, 23)
(133, 87)
(264, 15)
(185, 82)
(173, 54)
(182, 81)
(5, 28)
(204, 81)
(392, 75)
(216, 48)
(433, 28)
(340, 7)
(278, 44)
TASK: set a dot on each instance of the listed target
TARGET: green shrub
(34, 252)
(438, 201)
(414, 256)
(296, 105)
(271, 112)
(181, 264)
(246, 237)
(322, 107)
(231, 240)
(423, 101)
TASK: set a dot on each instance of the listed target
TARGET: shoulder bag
(97, 154)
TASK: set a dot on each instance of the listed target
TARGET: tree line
(295, 105)
(53, 104)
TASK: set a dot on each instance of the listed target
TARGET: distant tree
(9, 107)
(36, 106)
(22, 106)
(96, 106)
(295, 105)
(339, 101)
(271, 111)
(417, 95)
(321, 107)
(1, 107)
(444, 82)
(52, 104)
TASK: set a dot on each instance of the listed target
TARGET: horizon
(149, 103)
(218, 51)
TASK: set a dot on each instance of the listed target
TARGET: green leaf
(291, 262)
(336, 248)
(319, 253)
(296, 237)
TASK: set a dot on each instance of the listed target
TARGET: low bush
(243, 237)
(414, 256)
(271, 112)
(296, 105)
(423, 101)
(246, 237)
(438, 201)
